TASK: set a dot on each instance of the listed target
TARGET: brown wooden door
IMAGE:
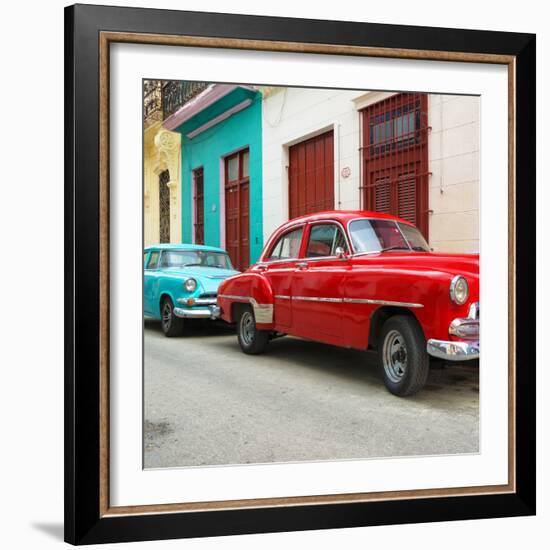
(395, 158)
(198, 176)
(237, 209)
(311, 176)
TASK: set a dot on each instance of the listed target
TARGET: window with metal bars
(198, 178)
(395, 158)
(164, 207)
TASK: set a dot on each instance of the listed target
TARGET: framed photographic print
(299, 274)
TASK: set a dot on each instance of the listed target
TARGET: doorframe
(331, 127)
(222, 189)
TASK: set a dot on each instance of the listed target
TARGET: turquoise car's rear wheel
(251, 340)
(171, 325)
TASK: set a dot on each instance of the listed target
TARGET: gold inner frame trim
(105, 39)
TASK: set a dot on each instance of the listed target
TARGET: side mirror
(340, 253)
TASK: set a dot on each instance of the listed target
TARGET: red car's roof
(343, 216)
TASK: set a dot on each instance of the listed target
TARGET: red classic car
(360, 280)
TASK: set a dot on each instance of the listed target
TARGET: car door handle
(301, 265)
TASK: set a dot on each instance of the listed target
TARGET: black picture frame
(84, 523)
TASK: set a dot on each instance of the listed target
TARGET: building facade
(409, 154)
(221, 170)
(161, 186)
(162, 159)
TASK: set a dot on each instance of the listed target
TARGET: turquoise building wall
(207, 150)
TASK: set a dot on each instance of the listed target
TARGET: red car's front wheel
(402, 356)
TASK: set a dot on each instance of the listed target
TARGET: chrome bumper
(212, 312)
(453, 351)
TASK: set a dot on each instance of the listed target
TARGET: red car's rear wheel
(251, 340)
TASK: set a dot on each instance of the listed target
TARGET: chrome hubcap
(248, 328)
(394, 356)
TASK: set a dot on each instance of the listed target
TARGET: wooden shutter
(407, 203)
(382, 191)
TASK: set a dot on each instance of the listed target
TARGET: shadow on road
(358, 366)
(345, 364)
(194, 328)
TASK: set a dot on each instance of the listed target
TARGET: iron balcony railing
(161, 98)
(176, 93)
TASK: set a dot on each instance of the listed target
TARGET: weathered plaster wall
(161, 151)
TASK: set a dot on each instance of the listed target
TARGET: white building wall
(453, 152)
(291, 115)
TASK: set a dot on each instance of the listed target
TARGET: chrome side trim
(265, 311)
(357, 301)
(233, 297)
(382, 302)
(316, 299)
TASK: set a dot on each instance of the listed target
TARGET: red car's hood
(456, 264)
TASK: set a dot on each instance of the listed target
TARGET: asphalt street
(207, 403)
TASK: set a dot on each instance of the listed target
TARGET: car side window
(153, 260)
(288, 246)
(324, 239)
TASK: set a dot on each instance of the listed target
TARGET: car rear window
(288, 246)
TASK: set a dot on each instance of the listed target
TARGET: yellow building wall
(161, 151)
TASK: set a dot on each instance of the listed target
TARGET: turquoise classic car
(180, 281)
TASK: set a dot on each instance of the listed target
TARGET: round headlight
(190, 285)
(459, 290)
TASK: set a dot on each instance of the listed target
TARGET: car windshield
(385, 236)
(414, 237)
(204, 258)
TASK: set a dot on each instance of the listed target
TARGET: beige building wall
(453, 157)
(161, 151)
